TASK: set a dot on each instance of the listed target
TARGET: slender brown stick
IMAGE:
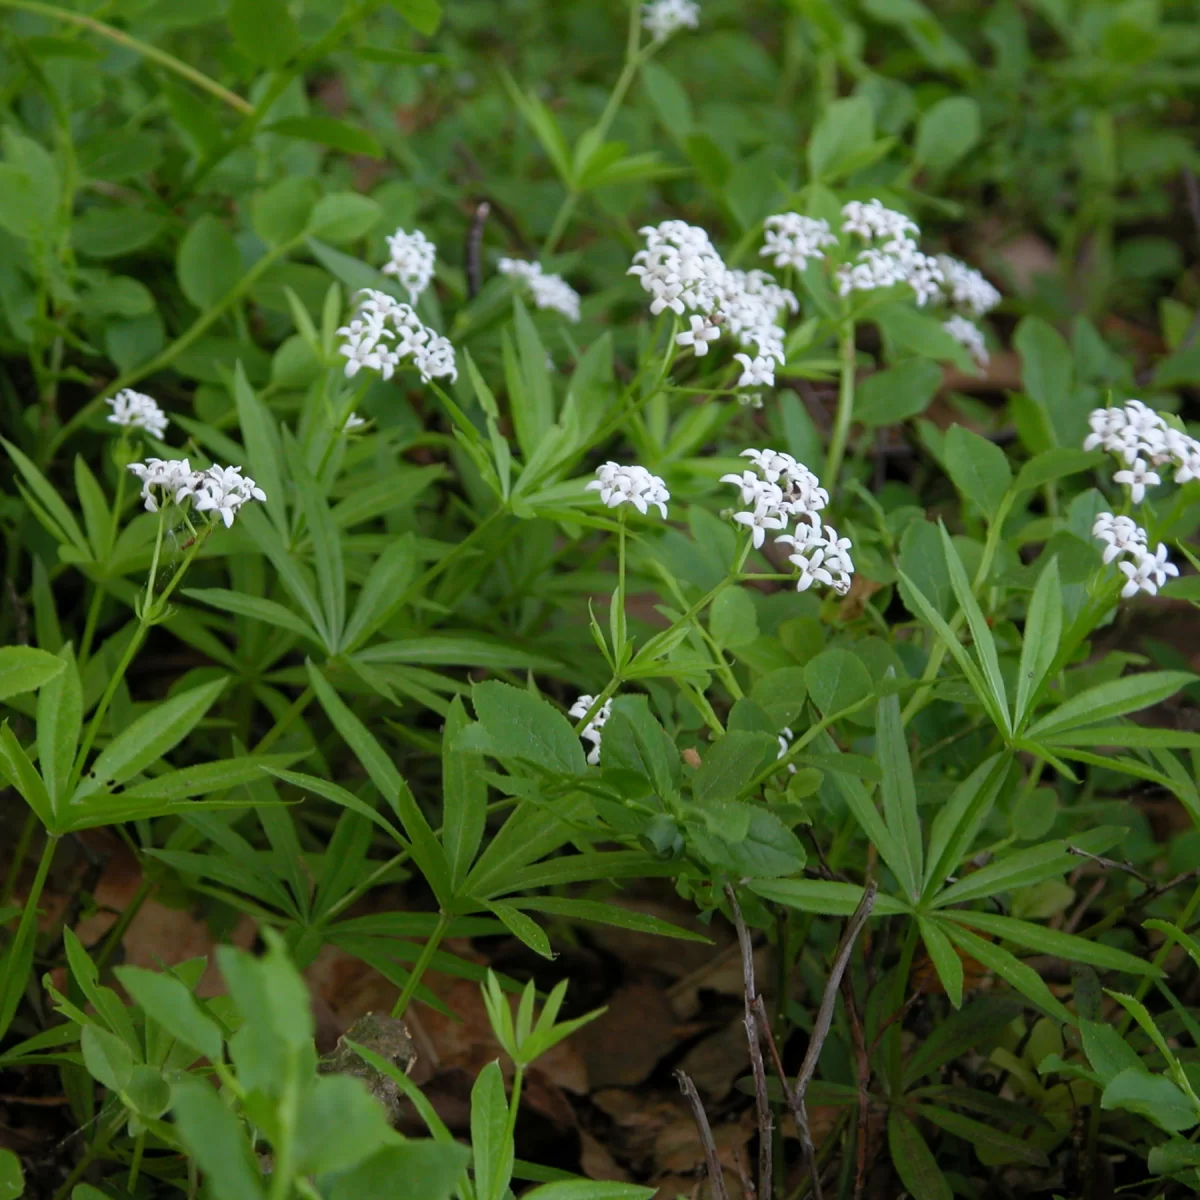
(820, 1032)
(762, 1102)
(715, 1173)
(474, 249)
(862, 1070)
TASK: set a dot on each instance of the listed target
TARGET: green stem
(422, 963)
(845, 410)
(90, 1155)
(139, 1146)
(415, 589)
(280, 727)
(562, 219)
(170, 353)
(618, 623)
(287, 1113)
(18, 858)
(147, 51)
(12, 987)
(1144, 984)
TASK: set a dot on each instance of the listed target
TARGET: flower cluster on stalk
(412, 261)
(591, 731)
(782, 491)
(135, 410)
(1145, 443)
(384, 332)
(218, 490)
(1127, 544)
(550, 292)
(662, 18)
(634, 485)
(682, 271)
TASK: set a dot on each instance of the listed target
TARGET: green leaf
(768, 849)
(729, 765)
(914, 1161)
(923, 561)
(597, 913)
(107, 1058)
(978, 467)
(343, 216)
(1039, 644)
(263, 30)
(491, 1146)
(382, 592)
(261, 436)
(149, 738)
(282, 212)
(669, 98)
(520, 725)
(1107, 1051)
(903, 391)
(19, 771)
(1113, 699)
(947, 131)
(430, 1172)
(24, 669)
(944, 958)
(464, 797)
(216, 1139)
(339, 1125)
(12, 1176)
(1151, 1096)
(961, 817)
(999, 1145)
(976, 1028)
(1047, 368)
(1043, 940)
(837, 679)
(732, 619)
(423, 15)
(635, 741)
(266, 537)
(327, 131)
(269, 612)
(1056, 463)
(526, 929)
(588, 1189)
(845, 130)
(61, 522)
(208, 264)
(898, 792)
(1017, 870)
(824, 897)
(269, 992)
(165, 998)
(327, 553)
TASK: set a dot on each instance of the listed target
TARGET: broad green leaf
(978, 467)
(107, 1058)
(898, 792)
(149, 738)
(423, 15)
(12, 1176)
(519, 725)
(946, 131)
(823, 896)
(1107, 1051)
(343, 216)
(263, 30)
(914, 1161)
(1055, 463)
(464, 797)
(165, 998)
(984, 1137)
(59, 518)
(597, 913)
(208, 264)
(836, 680)
(337, 135)
(767, 849)
(1154, 1097)
(844, 132)
(944, 957)
(430, 1172)
(1128, 694)
(281, 213)
(635, 741)
(1047, 370)
(24, 669)
(216, 1139)
(491, 1145)
(902, 391)
(1044, 940)
(1172, 1156)
(1039, 646)
(59, 720)
(729, 765)
(525, 928)
(339, 1124)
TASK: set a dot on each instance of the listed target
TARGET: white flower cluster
(898, 260)
(619, 485)
(790, 239)
(1143, 440)
(665, 17)
(219, 490)
(1144, 570)
(384, 332)
(966, 288)
(413, 256)
(551, 292)
(786, 490)
(681, 270)
(134, 410)
(591, 731)
(968, 335)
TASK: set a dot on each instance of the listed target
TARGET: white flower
(134, 410)
(1138, 477)
(413, 256)
(966, 287)
(379, 320)
(1120, 535)
(353, 422)
(870, 220)
(754, 488)
(758, 520)
(790, 239)
(1144, 570)
(785, 744)
(219, 490)
(591, 731)
(772, 463)
(756, 372)
(702, 332)
(634, 485)
(820, 555)
(967, 333)
(898, 261)
(665, 17)
(549, 291)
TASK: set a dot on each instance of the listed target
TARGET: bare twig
(1111, 864)
(820, 1031)
(762, 1103)
(898, 1015)
(862, 1071)
(474, 254)
(715, 1173)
